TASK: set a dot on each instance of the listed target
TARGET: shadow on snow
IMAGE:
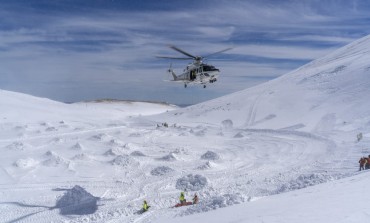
(75, 201)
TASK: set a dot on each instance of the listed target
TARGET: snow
(191, 182)
(283, 151)
(336, 201)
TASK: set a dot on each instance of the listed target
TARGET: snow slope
(330, 92)
(97, 162)
(341, 201)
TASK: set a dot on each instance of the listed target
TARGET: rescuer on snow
(182, 198)
(195, 199)
(145, 206)
(362, 162)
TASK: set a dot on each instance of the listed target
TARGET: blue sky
(75, 50)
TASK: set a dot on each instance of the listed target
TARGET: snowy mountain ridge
(330, 89)
(256, 149)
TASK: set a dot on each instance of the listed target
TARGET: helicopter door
(192, 75)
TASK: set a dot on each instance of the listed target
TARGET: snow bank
(77, 201)
(26, 163)
(169, 157)
(161, 170)
(207, 165)
(239, 135)
(137, 153)
(227, 124)
(100, 137)
(82, 156)
(113, 152)
(304, 181)
(214, 203)
(77, 146)
(18, 146)
(54, 160)
(123, 160)
(209, 155)
(191, 182)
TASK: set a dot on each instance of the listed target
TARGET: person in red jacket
(367, 165)
(362, 162)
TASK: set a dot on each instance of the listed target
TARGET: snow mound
(200, 133)
(57, 140)
(131, 146)
(123, 160)
(184, 134)
(207, 165)
(116, 142)
(26, 163)
(100, 137)
(191, 182)
(77, 146)
(161, 170)
(82, 156)
(51, 129)
(227, 124)
(21, 127)
(17, 146)
(214, 203)
(209, 155)
(181, 151)
(135, 134)
(239, 135)
(137, 153)
(77, 201)
(169, 157)
(304, 181)
(54, 160)
(113, 152)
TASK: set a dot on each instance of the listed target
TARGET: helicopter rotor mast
(197, 59)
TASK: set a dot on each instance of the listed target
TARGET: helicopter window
(209, 68)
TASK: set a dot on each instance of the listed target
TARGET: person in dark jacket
(195, 199)
(362, 162)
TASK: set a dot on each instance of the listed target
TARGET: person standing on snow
(182, 198)
(145, 206)
(367, 165)
(195, 199)
(362, 162)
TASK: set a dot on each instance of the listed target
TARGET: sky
(77, 50)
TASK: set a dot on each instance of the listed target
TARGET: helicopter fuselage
(197, 74)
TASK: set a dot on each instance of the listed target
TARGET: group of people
(182, 201)
(364, 163)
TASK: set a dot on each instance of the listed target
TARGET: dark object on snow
(77, 201)
(363, 162)
(183, 204)
(195, 199)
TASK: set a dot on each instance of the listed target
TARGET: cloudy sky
(73, 50)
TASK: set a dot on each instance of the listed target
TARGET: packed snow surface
(273, 152)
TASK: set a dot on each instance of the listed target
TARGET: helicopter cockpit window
(209, 68)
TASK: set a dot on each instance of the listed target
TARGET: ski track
(244, 168)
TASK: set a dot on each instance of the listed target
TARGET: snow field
(107, 162)
(97, 162)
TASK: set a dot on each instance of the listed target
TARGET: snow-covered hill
(331, 92)
(97, 162)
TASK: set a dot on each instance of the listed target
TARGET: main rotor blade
(181, 51)
(218, 52)
(176, 58)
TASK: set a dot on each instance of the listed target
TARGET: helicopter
(196, 72)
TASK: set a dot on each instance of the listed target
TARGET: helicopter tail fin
(173, 73)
